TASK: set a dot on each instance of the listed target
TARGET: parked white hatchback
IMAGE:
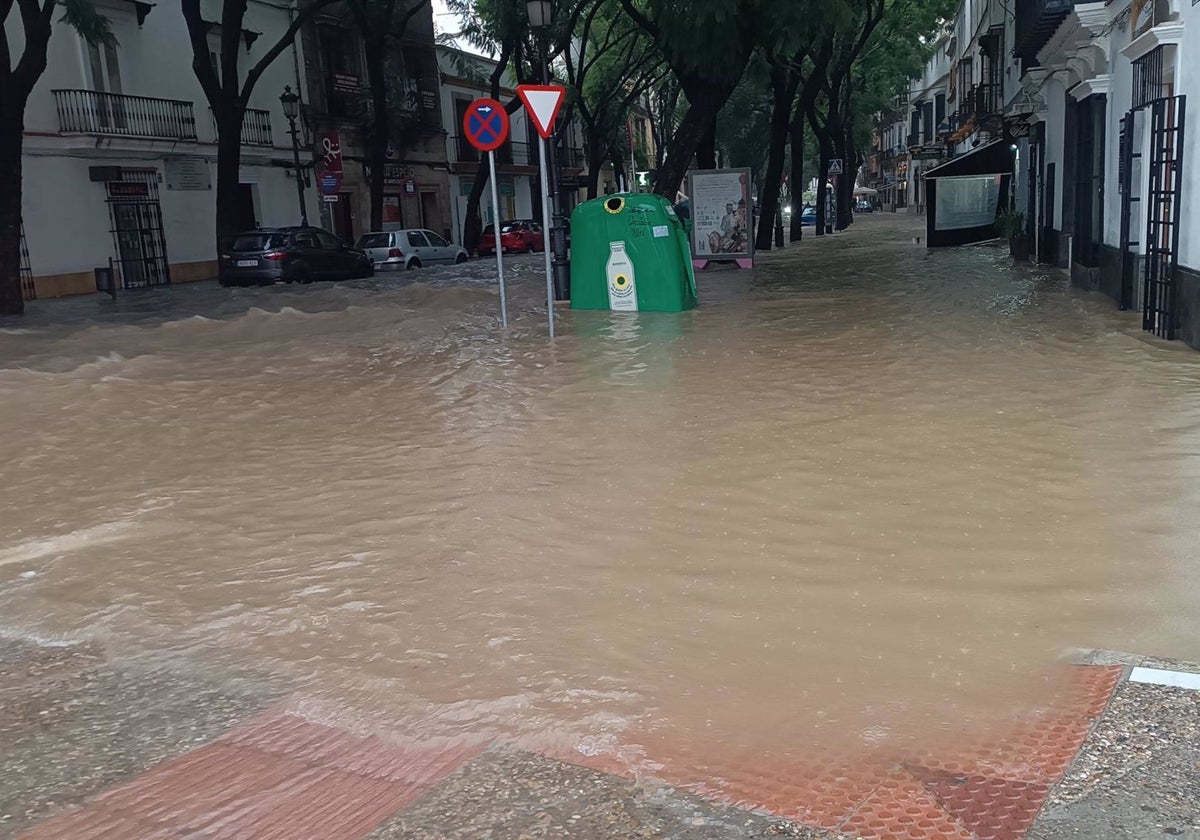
(397, 250)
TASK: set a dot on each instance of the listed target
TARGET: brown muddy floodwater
(863, 493)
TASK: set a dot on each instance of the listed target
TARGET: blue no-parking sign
(485, 124)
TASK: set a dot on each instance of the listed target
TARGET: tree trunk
(12, 126)
(704, 101)
(706, 151)
(229, 166)
(377, 142)
(593, 177)
(783, 84)
(796, 232)
(618, 162)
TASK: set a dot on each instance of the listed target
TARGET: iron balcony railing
(97, 112)
(256, 127)
(987, 99)
(511, 153)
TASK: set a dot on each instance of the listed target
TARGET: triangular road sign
(542, 103)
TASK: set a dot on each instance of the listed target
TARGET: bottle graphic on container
(622, 289)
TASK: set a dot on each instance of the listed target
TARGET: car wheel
(460, 259)
(302, 274)
(529, 249)
(413, 264)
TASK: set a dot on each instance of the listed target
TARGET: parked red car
(521, 236)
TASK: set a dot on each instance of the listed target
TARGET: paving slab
(511, 795)
(73, 724)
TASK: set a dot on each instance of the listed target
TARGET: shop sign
(391, 209)
(506, 187)
(395, 174)
(929, 153)
(128, 189)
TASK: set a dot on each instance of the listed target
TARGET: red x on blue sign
(485, 124)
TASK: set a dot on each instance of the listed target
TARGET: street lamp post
(291, 109)
(540, 17)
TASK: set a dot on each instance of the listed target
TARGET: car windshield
(259, 241)
(374, 240)
(490, 229)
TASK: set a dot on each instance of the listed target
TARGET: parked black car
(291, 254)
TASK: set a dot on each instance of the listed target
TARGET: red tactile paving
(1085, 689)
(280, 777)
(277, 777)
(1037, 749)
(901, 809)
(989, 786)
(992, 809)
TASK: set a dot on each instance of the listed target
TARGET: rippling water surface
(861, 494)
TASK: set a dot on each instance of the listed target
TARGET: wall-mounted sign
(429, 100)
(188, 173)
(343, 83)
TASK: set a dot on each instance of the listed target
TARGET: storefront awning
(994, 158)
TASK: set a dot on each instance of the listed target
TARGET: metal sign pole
(499, 250)
(545, 234)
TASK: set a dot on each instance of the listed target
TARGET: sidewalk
(92, 749)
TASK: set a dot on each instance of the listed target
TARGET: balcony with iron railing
(256, 128)
(122, 115)
(914, 140)
(987, 99)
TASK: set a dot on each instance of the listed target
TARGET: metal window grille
(1148, 83)
(137, 229)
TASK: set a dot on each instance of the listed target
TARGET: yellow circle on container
(614, 205)
(621, 281)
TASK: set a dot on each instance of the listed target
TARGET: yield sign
(542, 102)
(486, 124)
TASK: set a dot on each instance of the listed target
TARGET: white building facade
(1080, 109)
(119, 152)
(465, 78)
(1119, 201)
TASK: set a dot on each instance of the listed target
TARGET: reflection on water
(856, 496)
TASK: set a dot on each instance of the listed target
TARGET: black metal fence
(97, 112)
(28, 289)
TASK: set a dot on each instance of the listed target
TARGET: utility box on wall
(630, 253)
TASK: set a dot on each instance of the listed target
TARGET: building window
(341, 57)
(1149, 80)
(466, 152)
(105, 67)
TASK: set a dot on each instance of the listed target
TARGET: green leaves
(83, 17)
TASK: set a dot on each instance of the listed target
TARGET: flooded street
(862, 494)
